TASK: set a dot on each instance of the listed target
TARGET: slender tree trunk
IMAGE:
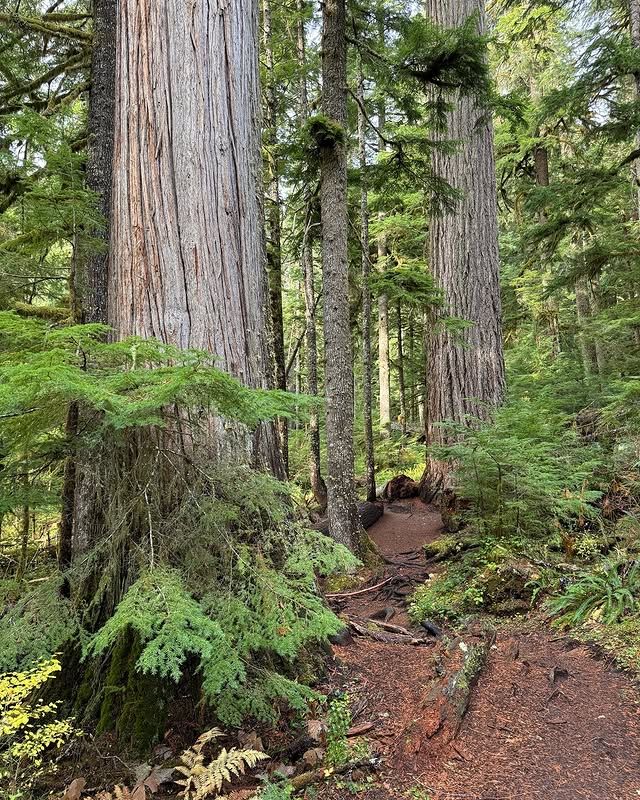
(401, 381)
(25, 530)
(541, 165)
(596, 304)
(367, 365)
(583, 313)
(91, 272)
(412, 361)
(465, 378)
(92, 279)
(384, 363)
(384, 368)
(272, 219)
(343, 515)
(65, 539)
(24, 533)
(318, 486)
(634, 8)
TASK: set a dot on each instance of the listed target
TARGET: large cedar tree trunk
(343, 515)
(187, 260)
(465, 370)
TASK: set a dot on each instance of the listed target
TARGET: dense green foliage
(203, 581)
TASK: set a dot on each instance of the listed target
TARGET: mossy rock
(341, 583)
(627, 533)
(445, 547)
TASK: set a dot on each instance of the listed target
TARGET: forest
(319, 399)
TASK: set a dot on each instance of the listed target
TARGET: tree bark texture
(92, 282)
(384, 368)
(318, 486)
(465, 369)
(400, 367)
(367, 366)
(634, 9)
(343, 516)
(187, 261)
(84, 495)
(272, 220)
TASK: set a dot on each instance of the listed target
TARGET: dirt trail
(547, 720)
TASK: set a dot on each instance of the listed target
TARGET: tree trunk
(24, 537)
(597, 305)
(466, 370)
(400, 367)
(91, 272)
(92, 283)
(318, 486)
(541, 166)
(634, 8)
(65, 537)
(583, 313)
(367, 375)
(413, 401)
(384, 369)
(272, 220)
(343, 516)
(187, 261)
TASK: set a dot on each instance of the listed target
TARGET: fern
(207, 779)
(607, 595)
(168, 621)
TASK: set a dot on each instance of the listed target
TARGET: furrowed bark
(318, 486)
(343, 516)
(366, 298)
(186, 260)
(273, 225)
(465, 369)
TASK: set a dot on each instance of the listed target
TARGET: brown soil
(547, 720)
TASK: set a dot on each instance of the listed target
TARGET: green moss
(621, 640)
(324, 132)
(134, 705)
(341, 583)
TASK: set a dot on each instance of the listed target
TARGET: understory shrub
(526, 473)
(30, 729)
(608, 594)
(196, 574)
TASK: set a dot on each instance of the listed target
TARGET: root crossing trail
(547, 720)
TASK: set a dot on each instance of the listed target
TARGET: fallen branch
(387, 638)
(389, 626)
(361, 591)
(317, 775)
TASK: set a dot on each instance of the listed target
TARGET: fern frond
(207, 781)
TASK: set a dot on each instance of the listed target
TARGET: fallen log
(387, 638)
(449, 699)
(388, 626)
(369, 514)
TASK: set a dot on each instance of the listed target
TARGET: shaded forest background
(411, 249)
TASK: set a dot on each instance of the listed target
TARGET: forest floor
(548, 719)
